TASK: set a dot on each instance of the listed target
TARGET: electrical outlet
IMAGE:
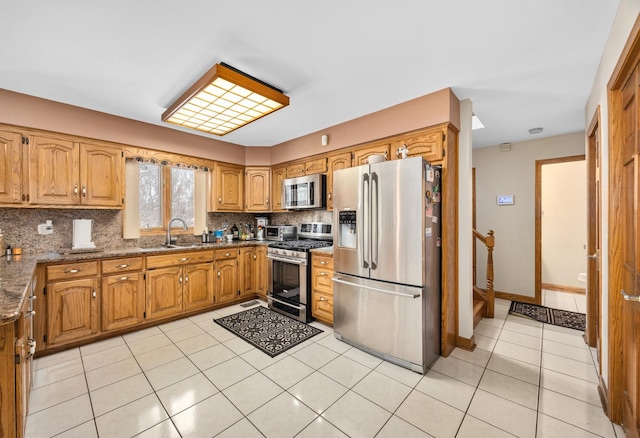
(45, 228)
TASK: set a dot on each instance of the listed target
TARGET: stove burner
(301, 245)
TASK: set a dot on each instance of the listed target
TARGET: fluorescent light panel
(223, 100)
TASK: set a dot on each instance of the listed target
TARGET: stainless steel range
(290, 270)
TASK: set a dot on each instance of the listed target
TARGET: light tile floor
(192, 378)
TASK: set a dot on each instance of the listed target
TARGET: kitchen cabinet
(361, 156)
(309, 167)
(12, 157)
(226, 278)
(15, 373)
(322, 287)
(72, 292)
(428, 143)
(278, 174)
(335, 162)
(257, 189)
(65, 172)
(261, 271)
(227, 189)
(247, 271)
(177, 282)
(123, 293)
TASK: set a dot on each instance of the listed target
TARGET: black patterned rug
(267, 330)
(562, 318)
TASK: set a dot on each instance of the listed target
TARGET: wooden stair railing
(483, 298)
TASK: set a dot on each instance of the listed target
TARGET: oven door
(288, 286)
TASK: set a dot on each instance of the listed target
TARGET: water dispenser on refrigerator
(347, 222)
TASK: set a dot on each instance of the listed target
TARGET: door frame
(629, 58)
(538, 230)
(593, 331)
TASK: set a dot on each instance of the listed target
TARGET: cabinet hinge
(123, 200)
(353, 155)
(17, 359)
(444, 136)
(44, 290)
(25, 140)
(144, 314)
(122, 154)
(144, 276)
(44, 338)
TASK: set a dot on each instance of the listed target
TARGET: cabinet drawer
(322, 261)
(322, 307)
(69, 271)
(226, 254)
(180, 258)
(295, 170)
(122, 265)
(321, 280)
(316, 166)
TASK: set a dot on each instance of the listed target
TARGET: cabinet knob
(30, 313)
(219, 200)
(123, 278)
(32, 297)
(94, 294)
(180, 279)
(329, 196)
(72, 271)
(186, 279)
(255, 257)
(84, 192)
(323, 299)
(75, 189)
(322, 274)
(227, 254)
(322, 262)
(267, 201)
(123, 266)
(218, 274)
(183, 259)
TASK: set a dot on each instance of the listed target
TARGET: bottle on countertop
(205, 236)
(8, 251)
(234, 230)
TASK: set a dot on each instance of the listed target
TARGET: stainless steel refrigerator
(387, 260)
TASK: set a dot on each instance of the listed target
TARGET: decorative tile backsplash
(20, 227)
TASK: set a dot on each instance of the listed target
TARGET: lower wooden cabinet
(164, 292)
(322, 287)
(198, 286)
(226, 280)
(247, 271)
(73, 310)
(123, 303)
(261, 275)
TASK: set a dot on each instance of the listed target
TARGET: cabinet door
(277, 176)
(319, 165)
(23, 370)
(257, 189)
(198, 286)
(101, 169)
(72, 310)
(295, 170)
(335, 162)
(228, 190)
(164, 292)
(53, 171)
(361, 156)
(122, 301)
(261, 273)
(10, 167)
(429, 145)
(322, 307)
(226, 280)
(246, 270)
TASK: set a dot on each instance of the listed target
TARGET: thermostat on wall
(505, 199)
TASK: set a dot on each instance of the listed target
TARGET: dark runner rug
(267, 330)
(562, 318)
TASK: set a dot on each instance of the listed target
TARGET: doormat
(267, 330)
(561, 318)
(250, 303)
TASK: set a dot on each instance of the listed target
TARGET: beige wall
(564, 223)
(22, 110)
(513, 173)
(628, 12)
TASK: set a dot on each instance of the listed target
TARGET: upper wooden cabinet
(64, 172)
(427, 143)
(361, 156)
(278, 174)
(310, 167)
(335, 162)
(257, 189)
(11, 167)
(226, 185)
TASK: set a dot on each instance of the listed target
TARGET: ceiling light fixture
(223, 100)
(476, 123)
(535, 130)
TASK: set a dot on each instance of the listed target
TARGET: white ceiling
(523, 64)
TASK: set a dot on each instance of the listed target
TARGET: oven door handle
(287, 260)
(270, 297)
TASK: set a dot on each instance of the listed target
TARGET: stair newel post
(490, 242)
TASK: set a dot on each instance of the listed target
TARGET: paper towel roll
(82, 234)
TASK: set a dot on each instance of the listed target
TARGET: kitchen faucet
(184, 227)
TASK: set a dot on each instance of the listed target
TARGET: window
(164, 193)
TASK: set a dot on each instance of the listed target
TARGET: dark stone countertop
(16, 271)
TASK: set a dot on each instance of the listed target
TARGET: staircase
(483, 298)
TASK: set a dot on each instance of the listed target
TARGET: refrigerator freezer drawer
(381, 317)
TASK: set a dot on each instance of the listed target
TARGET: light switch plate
(505, 199)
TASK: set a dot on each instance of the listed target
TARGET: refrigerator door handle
(374, 220)
(365, 234)
(376, 289)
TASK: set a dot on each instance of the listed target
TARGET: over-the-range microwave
(304, 192)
